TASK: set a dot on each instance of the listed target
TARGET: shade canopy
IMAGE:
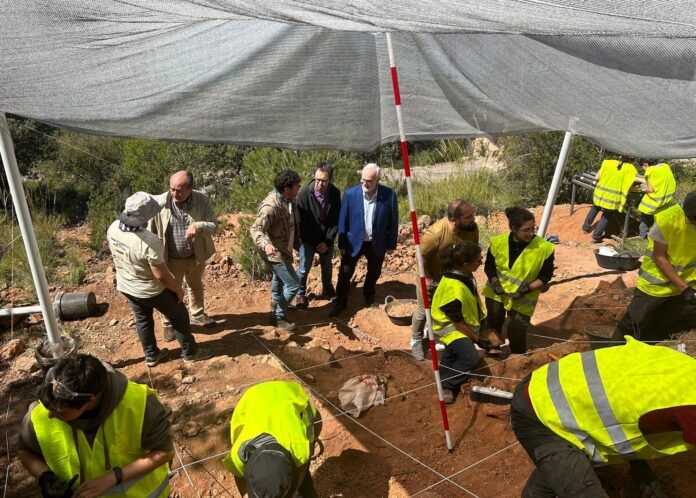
(315, 74)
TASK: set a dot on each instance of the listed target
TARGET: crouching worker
(94, 433)
(274, 429)
(457, 314)
(626, 403)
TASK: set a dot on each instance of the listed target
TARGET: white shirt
(369, 207)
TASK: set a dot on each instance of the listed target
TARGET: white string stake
(181, 462)
(316, 393)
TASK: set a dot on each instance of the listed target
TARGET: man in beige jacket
(276, 232)
(185, 226)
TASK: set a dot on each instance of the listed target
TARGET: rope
(224, 489)
(316, 393)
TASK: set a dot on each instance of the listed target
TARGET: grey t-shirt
(656, 234)
(157, 428)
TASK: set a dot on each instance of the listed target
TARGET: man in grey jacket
(276, 232)
(185, 226)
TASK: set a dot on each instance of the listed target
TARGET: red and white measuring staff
(416, 240)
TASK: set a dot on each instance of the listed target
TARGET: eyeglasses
(320, 180)
(62, 391)
(528, 230)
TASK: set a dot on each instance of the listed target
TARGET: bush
(247, 254)
(444, 151)
(14, 266)
(76, 272)
(482, 187)
(101, 214)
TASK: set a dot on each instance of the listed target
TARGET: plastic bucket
(44, 354)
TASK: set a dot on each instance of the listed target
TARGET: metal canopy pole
(555, 184)
(14, 180)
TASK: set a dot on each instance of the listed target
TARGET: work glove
(689, 295)
(497, 286)
(484, 344)
(521, 291)
(53, 487)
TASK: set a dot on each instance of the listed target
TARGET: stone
(189, 379)
(113, 322)
(26, 364)
(11, 349)
(192, 428)
(309, 377)
(292, 344)
(181, 389)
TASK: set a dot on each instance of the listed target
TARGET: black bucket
(75, 305)
(44, 355)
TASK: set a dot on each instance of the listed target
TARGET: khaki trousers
(189, 269)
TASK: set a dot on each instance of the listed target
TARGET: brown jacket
(277, 220)
(201, 215)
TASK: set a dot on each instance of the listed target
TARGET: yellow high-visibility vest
(525, 270)
(613, 185)
(116, 444)
(595, 399)
(663, 184)
(447, 291)
(681, 253)
(279, 409)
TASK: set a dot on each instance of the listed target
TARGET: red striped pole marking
(416, 239)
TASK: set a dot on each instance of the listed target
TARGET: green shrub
(103, 212)
(14, 266)
(444, 151)
(685, 176)
(482, 187)
(76, 265)
(247, 254)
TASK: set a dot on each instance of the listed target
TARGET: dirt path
(396, 450)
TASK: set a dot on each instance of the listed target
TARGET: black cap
(270, 472)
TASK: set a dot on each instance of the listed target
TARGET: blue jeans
(284, 286)
(307, 253)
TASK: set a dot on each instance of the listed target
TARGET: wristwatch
(118, 473)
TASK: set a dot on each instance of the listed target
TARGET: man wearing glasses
(94, 433)
(667, 278)
(368, 225)
(318, 204)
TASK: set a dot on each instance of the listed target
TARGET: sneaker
(301, 302)
(169, 335)
(157, 358)
(596, 241)
(202, 353)
(203, 320)
(447, 396)
(336, 310)
(284, 324)
(417, 351)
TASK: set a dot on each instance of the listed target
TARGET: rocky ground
(395, 450)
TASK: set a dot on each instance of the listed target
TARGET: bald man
(186, 225)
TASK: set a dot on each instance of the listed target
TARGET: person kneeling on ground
(457, 315)
(625, 403)
(274, 429)
(94, 433)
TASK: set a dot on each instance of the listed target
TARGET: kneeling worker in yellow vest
(625, 403)
(94, 433)
(274, 429)
(667, 278)
(457, 315)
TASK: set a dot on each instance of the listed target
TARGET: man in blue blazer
(367, 226)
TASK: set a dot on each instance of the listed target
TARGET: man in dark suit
(319, 204)
(368, 225)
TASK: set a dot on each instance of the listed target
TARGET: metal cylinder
(74, 305)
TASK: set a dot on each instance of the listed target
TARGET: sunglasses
(61, 391)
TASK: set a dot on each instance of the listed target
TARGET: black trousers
(562, 469)
(610, 221)
(649, 318)
(517, 328)
(459, 356)
(169, 305)
(347, 269)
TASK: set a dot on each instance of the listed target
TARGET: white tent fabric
(316, 74)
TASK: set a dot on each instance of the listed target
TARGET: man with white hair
(143, 277)
(368, 225)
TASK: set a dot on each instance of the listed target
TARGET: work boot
(329, 295)
(300, 302)
(284, 324)
(337, 308)
(157, 358)
(202, 353)
(448, 396)
(202, 320)
(417, 351)
(169, 334)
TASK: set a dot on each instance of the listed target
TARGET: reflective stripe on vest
(525, 270)
(448, 290)
(681, 239)
(613, 185)
(662, 181)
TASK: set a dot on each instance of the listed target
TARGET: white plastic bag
(362, 392)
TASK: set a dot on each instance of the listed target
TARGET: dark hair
(453, 256)
(518, 216)
(326, 168)
(286, 179)
(690, 205)
(81, 373)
